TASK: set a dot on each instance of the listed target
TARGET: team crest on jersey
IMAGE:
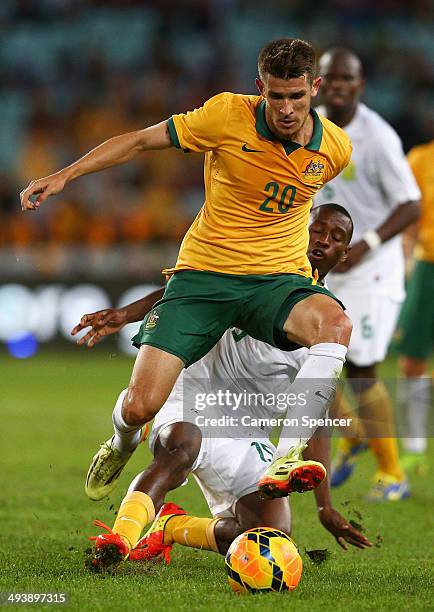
(313, 170)
(152, 320)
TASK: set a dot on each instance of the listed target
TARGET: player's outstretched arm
(402, 217)
(111, 320)
(113, 152)
(319, 450)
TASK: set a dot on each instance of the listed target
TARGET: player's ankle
(126, 445)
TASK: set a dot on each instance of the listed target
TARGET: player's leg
(318, 322)
(414, 396)
(414, 341)
(351, 443)
(289, 311)
(215, 469)
(374, 316)
(154, 375)
(195, 311)
(377, 414)
(227, 473)
(251, 511)
(213, 534)
(175, 450)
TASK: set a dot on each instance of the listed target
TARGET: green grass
(56, 409)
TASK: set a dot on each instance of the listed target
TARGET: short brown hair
(287, 58)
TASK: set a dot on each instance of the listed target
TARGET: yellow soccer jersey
(258, 190)
(421, 160)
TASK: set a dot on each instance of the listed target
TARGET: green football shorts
(198, 307)
(414, 336)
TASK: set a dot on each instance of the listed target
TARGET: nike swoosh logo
(247, 150)
(319, 394)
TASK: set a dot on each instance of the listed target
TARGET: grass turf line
(56, 410)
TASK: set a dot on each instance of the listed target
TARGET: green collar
(289, 146)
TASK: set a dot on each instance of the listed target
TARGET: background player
(226, 468)
(415, 332)
(243, 260)
(381, 194)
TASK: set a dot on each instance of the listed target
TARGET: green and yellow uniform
(246, 250)
(258, 189)
(415, 332)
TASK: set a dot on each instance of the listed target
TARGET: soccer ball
(263, 559)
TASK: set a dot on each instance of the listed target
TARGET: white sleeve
(393, 171)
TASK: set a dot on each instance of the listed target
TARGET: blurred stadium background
(76, 72)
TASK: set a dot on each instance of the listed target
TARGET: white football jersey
(377, 180)
(238, 356)
(256, 375)
(232, 457)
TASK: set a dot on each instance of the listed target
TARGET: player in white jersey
(380, 192)
(226, 455)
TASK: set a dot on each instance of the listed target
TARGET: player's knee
(249, 523)
(176, 450)
(337, 327)
(180, 459)
(139, 407)
(174, 466)
(180, 443)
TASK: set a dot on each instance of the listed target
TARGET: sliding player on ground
(243, 261)
(227, 461)
(382, 196)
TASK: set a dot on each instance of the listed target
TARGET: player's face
(342, 81)
(287, 103)
(329, 233)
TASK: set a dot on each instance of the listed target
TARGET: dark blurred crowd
(75, 72)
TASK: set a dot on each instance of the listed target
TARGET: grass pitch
(56, 410)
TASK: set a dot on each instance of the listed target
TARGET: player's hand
(102, 323)
(342, 531)
(355, 255)
(44, 187)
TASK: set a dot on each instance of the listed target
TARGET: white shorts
(374, 316)
(226, 469)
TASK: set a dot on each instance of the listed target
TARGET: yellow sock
(351, 435)
(377, 413)
(136, 511)
(191, 531)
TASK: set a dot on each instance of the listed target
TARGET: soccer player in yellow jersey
(243, 262)
(415, 332)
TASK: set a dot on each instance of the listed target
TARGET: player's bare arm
(330, 518)
(112, 320)
(113, 152)
(402, 217)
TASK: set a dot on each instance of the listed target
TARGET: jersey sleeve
(202, 129)
(393, 171)
(340, 149)
(342, 160)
